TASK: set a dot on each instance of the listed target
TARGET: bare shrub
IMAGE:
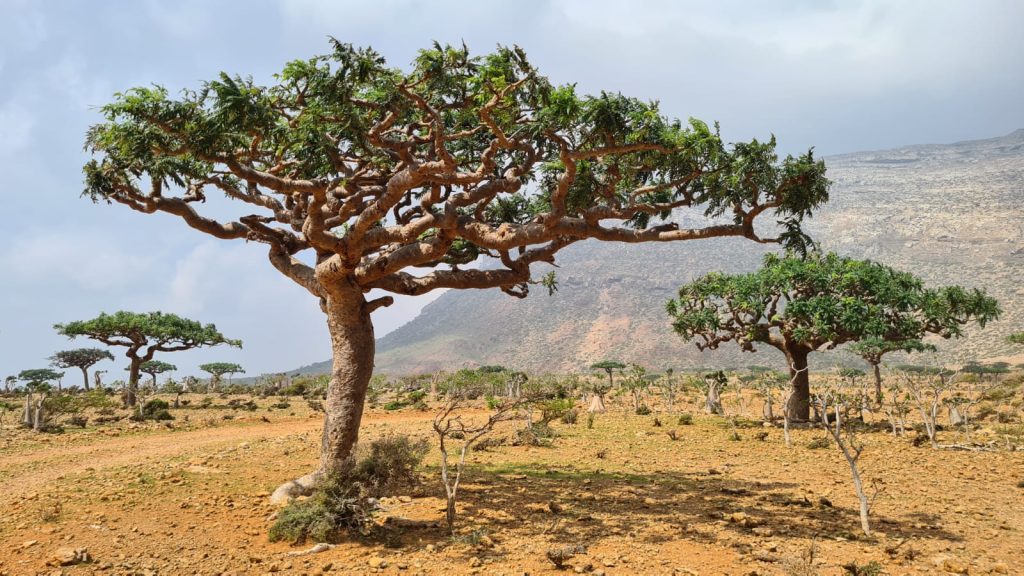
(455, 434)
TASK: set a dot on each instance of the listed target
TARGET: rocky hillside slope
(950, 213)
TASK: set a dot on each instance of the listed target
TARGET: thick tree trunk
(26, 417)
(878, 384)
(85, 377)
(131, 391)
(799, 406)
(352, 345)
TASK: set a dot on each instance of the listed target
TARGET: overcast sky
(838, 75)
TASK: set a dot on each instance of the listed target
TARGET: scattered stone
(69, 556)
(377, 562)
(955, 566)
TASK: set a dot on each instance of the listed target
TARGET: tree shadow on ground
(571, 506)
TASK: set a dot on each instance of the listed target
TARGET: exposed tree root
(316, 549)
(294, 488)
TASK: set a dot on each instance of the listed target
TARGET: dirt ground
(192, 498)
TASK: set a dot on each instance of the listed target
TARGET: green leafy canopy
(153, 367)
(221, 368)
(80, 357)
(36, 376)
(160, 331)
(823, 301)
(378, 169)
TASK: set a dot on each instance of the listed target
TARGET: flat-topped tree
(36, 377)
(873, 349)
(81, 358)
(802, 305)
(598, 391)
(217, 370)
(143, 335)
(154, 368)
(353, 174)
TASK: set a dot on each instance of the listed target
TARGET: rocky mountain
(949, 213)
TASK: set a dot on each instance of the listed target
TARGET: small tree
(1017, 338)
(767, 382)
(802, 305)
(154, 368)
(897, 407)
(873, 349)
(217, 370)
(9, 383)
(173, 387)
(636, 384)
(712, 384)
(927, 387)
(450, 428)
(598, 390)
(81, 358)
(143, 335)
(37, 376)
(97, 378)
(670, 385)
(848, 443)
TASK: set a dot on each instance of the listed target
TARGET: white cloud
(85, 259)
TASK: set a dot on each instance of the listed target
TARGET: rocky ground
(192, 498)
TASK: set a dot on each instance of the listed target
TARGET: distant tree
(354, 174)
(712, 384)
(637, 384)
(670, 384)
(154, 368)
(872, 349)
(802, 305)
(37, 376)
(173, 387)
(143, 335)
(598, 390)
(9, 383)
(217, 370)
(609, 367)
(38, 388)
(81, 358)
(97, 378)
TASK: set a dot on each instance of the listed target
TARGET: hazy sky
(838, 75)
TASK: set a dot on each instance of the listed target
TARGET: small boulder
(69, 556)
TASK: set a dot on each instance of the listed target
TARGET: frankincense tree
(143, 335)
(802, 305)
(354, 173)
(81, 358)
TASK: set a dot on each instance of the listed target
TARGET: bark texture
(352, 346)
(798, 408)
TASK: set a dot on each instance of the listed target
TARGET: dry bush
(347, 500)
